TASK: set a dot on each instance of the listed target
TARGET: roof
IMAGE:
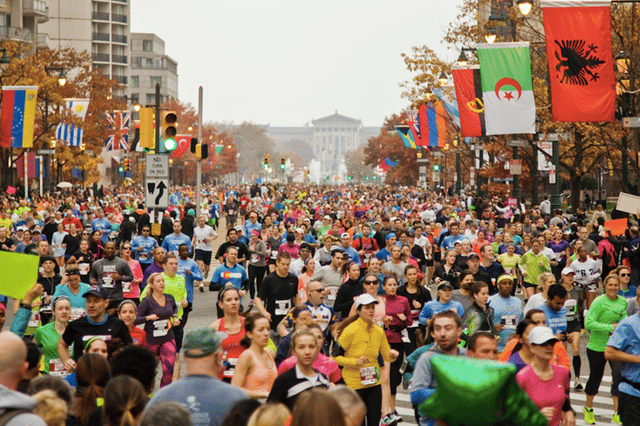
(336, 117)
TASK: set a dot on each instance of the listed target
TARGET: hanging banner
(469, 98)
(507, 88)
(578, 40)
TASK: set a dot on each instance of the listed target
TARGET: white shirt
(200, 234)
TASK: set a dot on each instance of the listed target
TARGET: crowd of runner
(336, 295)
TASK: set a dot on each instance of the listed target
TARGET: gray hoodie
(10, 399)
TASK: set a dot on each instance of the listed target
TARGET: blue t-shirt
(556, 320)
(383, 254)
(195, 275)
(76, 300)
(629, 294)
(449, 241)
(507, 312)
(626, 338)
(208, 399)
(147, 244)
(432, 307)
(172, 242)
(102, 225)
(236, 275)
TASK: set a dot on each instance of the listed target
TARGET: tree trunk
(575, 191)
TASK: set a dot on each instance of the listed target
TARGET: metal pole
(458, 174)
(534, 174)
(625, 182)
(199, 169)
(555, 197)
(157, 132)
(480, 179)
(516, 178)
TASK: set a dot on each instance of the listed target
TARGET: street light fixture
(137, 107)
(462, 59)
(443, 79)
(525, 6)
(490, 36)
(4, 60)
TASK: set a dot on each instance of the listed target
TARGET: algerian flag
(505, 71)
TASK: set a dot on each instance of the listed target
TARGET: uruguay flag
(69, 132)
(18, 116)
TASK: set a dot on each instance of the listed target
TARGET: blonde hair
(50, 407)
(270, 414)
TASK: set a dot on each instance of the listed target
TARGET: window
(135, 98)
(147, 45)
(135, 81)
(156, 80)
(151, 98)
(149, 63)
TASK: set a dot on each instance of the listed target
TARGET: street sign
(544, 161)
(157, 166)
(157, 193)
(46, 152)
(422, 169)
(552, 175)
(515, 167)
(555, 137)
(631, 122)
(521, 143)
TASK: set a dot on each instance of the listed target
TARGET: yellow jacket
(358, 341)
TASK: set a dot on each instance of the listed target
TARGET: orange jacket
(560, 355)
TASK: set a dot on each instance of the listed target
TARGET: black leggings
(256, 273)
(395, 378)
(596, 365)
(372, 398)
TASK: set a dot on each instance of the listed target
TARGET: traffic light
(126, 164)
(349, 177)
(169, 131)
(202, 151)
(147, 134)
(282, 163)
(194, 143)
(436, 167)
(375, 177)
(266, 162)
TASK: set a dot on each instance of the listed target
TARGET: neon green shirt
(602, 314)
(533, 266)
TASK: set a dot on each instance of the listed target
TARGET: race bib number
(231, 212)
(254, 258)
(34, 319)
(510, 322)
(415, 313)
(127, 287)
(107, 276)
(76, 313)
(331, 292)
(84, 268)
(572, 308)
(160, 328)
(274, 254)
(283, 307)
(143, 256)
(56, 368)
(231, 367)
(369, 375)
(405, 336)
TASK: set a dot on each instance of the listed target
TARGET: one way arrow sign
(156, 193)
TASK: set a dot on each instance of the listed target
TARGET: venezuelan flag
(18, 116)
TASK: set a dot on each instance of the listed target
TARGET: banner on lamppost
(581, 67)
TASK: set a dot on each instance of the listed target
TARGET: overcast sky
(285, 62)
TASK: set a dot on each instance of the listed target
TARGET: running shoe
(201, 288)
(578, 386)
(405, 383)
(389, 420)
(589, 417)
(399, 417)
(616, 419)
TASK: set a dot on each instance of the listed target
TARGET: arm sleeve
(142, 312)
(345, 340)
(127, 275)
(425, 314)
(385, 349)
(591, 321)
(20, 321)
(196, 273)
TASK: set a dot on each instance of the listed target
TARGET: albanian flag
(469, 97)
(578, 39)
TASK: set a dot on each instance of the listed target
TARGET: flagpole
(199, 160)
(25, 158)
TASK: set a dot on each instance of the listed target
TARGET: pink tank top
(261, 378)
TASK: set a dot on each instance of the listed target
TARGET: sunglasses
(146, 230)
(85, 233)
(371, 282)
(126, 248)
(625, 275)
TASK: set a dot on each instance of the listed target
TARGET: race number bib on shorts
(231, 368)
(283, 307)
(76, 313)
(369, 375)
(160, 328)
(510, 322)
(56, 368)
(405, 336)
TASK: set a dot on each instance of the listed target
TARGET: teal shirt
(602, 314)
(77, 301)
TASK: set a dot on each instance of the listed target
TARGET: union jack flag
(414, 124)
(119, 125)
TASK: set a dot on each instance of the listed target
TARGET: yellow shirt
(357, 341)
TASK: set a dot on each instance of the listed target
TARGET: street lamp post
(622, 88)
(62, 80)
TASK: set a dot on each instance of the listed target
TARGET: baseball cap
(365, 299)
(327, 217)
(345, 235)
(540, 335)
(393, 219)
(567, 271)
(411, 234)
(97, 291)
(191, 212)
(202, 342)
(473, 256)
(504, 277)
(238, 228)
(390, 235)
(48, 259)
(445, 285)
